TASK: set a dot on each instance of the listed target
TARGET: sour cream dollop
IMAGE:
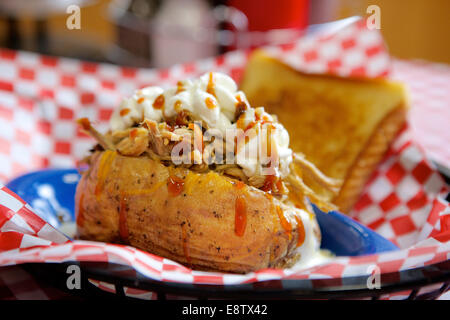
(215, 99)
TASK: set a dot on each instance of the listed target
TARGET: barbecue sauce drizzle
(240, 216)
(284, 222)
(301, 231)
(159, 102)
(175, 185)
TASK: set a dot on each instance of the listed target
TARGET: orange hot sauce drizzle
(301, 231)
(103, 170)
(269, 183)
(159, 102)
(133, 133)
(239, 184)
(210, 103)
(180, 87)
(123, 225)
(124, 112)
(210, 87)
(240, 216)
(284, 222)
(80, 213)
(240, 124)
(175, 185)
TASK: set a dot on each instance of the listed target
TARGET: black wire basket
(423, 283)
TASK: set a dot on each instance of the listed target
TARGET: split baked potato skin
(127, 200)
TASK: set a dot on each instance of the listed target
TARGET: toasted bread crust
(369, 158)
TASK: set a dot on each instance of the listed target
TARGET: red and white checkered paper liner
(24, 237)
(40, 97)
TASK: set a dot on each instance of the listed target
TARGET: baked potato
(233, 217)
(204, 220)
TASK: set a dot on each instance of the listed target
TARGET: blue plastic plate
(51, 194)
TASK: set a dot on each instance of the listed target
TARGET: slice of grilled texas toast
(343, 126)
